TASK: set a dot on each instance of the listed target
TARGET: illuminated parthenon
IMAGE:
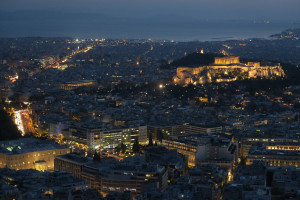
(226, 69)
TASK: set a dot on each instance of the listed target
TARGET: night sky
(26, 15)
(282, 9)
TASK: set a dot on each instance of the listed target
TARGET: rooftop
(75, 158)
(261, 150)
(25, 145)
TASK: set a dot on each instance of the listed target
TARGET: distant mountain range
(161, 26)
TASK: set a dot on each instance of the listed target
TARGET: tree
(8, 129)
(150, 140)
(243, 160)
(269, 178)
(96, 157)
(160, 136)
(29, 135)
(192, 59)
(136, 146)
(121, 147)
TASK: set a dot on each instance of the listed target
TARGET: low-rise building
(202, 150)
(132, 174)
(30, 153)
(32, 184)
(274, 155)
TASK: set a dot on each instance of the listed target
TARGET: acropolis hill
(226, 69)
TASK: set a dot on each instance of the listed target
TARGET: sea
(177, 31)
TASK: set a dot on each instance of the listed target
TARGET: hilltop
(227, 69)
(193, 59)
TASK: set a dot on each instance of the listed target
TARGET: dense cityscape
(150, 119)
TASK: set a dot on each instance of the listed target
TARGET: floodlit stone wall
(226, 70)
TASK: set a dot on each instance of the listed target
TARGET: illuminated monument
(226, 69)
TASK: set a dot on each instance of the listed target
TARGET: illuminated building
(97, 137)
(275, 155)
(112, 138)
(133, 174)
(71, 163)
(87, 135)
(30, 153)
(53, 124)
(134, 178)
(226, 69)
(284, 147)
(246, 144)
(202, 150)
(182, 129)
(227, 60)
(187, 149)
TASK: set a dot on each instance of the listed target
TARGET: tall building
(85, 134)
(127, 136)
(97, 137)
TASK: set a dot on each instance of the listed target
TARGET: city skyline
(147, 100)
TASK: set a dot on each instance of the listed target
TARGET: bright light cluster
(19, 122)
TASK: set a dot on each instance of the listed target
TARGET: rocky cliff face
(226, 70)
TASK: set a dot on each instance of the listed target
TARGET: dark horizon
(40, 24)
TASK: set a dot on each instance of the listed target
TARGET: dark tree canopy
(8, 129)
(121, 147)
(150, 140)
(96, 157)
(160, 136)
(136, 146)
(193, 59)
